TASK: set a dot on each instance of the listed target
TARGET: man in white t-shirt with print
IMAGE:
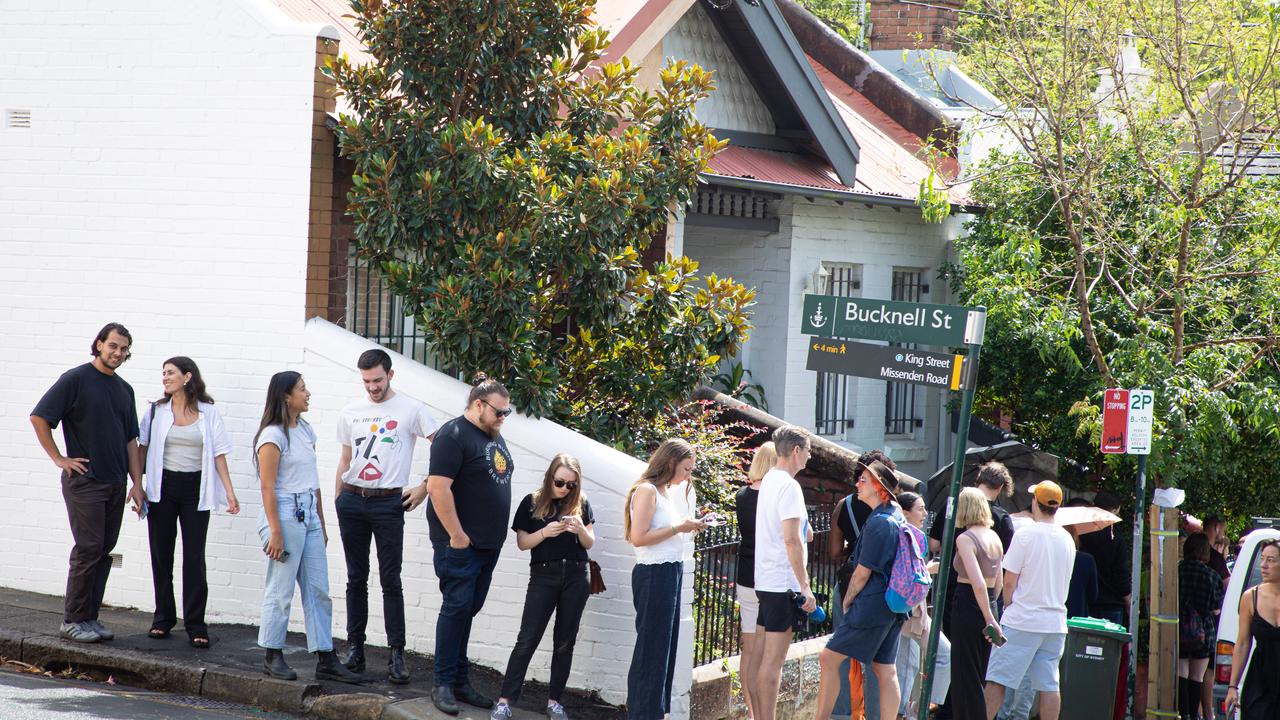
(780, 563)
(371, 498)
(1037, 575)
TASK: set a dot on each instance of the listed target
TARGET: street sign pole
(1135, 584)
(949, 531)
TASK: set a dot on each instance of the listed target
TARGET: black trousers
(179, 505)
(380, 520)
(562, 588)
(970, 653)
(95, 510)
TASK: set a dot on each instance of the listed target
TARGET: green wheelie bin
(1090, 665)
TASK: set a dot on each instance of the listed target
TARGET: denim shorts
(877, 644)
(1033, 654)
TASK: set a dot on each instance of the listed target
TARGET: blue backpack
(909, 582)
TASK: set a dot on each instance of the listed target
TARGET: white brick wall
(779, 266)
(164, 184)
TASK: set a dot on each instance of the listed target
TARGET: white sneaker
(501, 711)
(555, 711)
(80, 632)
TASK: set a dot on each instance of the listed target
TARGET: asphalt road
(25, 696)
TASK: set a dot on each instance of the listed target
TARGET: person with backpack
(870, 631)
(978, 558)
(848, 518)
(1200, 589)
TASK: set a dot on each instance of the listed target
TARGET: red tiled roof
(337, 13)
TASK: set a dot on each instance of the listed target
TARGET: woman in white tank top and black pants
(653, 525)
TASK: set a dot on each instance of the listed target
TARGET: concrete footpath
(230, 670)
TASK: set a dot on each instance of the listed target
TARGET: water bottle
(819, 614)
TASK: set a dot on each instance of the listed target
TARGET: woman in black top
(1260, 625)
(556, 524)
(744, 505)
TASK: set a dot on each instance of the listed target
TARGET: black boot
(354, 659)
(1183, 707)
(397, 673)
(328, 668)
(275, 666)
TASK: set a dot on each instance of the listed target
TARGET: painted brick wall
(165, 183)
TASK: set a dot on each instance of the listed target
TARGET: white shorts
(1032, 654)
(749, 606)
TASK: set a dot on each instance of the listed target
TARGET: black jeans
(656, 594)
(95, 510)
(464, 584)
(380, 519)
(561, 587)
(179, 503)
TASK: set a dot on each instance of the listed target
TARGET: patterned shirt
(1200, 588)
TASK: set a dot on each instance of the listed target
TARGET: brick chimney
(897, 25)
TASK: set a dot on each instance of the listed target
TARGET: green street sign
(940, 370)
(892, 321)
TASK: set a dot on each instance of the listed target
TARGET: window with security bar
(834, 412)
(900, 408)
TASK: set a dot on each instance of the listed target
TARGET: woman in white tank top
(653, 525)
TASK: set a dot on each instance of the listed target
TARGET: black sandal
(200, 641)
(157, 633)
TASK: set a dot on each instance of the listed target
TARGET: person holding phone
(556, 525)
(183, 446)
(292, 531)
(974, 628)
(653, 525)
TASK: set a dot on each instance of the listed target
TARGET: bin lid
(1099, 626)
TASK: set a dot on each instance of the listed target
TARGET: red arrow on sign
(1115, 421)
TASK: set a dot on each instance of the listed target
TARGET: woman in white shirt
(292, 531)
(183, 445)
(653, 525)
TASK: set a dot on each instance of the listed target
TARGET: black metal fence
(717, 632)
(374, 312)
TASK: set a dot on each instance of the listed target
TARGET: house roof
(887, 155)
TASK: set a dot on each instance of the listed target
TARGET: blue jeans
(464, 584)
(380, 520)
(1017, 703)
(306, 566)
(655, 591)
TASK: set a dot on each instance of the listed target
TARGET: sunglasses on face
(500, 413)
(573, 484)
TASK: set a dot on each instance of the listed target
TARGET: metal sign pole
(948, 539)
(1135, 584)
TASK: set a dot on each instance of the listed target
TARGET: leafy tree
(1125, 242)
(507, 183)
(842, 16)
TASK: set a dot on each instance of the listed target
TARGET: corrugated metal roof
(788, 168)
(337, 13)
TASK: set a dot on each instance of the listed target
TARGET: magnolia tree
(506, 183)
(1130, 232)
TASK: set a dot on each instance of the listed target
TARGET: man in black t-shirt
(100, 430)
(469, 483)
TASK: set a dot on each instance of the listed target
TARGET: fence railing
(374, 312)
(717, 629)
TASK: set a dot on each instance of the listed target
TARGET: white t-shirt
(382, 436)
(780, 499)
(297, 471)
(1043, 555)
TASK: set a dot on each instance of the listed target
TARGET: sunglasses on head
(573, 484)
(500, 413)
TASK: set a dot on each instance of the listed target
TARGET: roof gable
(769, 55)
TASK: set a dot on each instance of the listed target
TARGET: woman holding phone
(556, 525)
(183, 446)
(292, 531)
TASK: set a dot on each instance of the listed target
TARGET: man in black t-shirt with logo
(100, 430)
(469, 483)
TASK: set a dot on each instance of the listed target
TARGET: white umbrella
(1085, 519)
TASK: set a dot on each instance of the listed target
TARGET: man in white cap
(1037, 575)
